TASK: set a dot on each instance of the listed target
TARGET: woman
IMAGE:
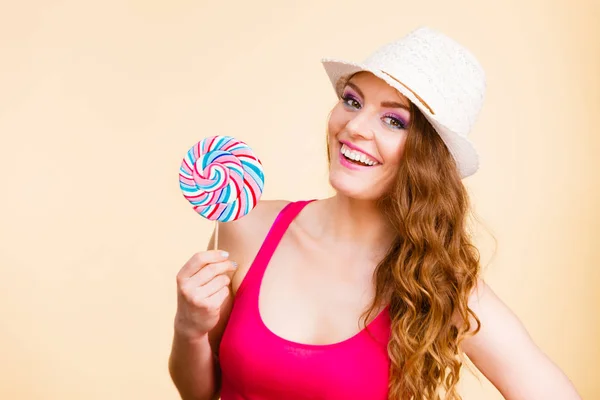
(392, 242)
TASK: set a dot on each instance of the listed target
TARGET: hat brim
(463, 151)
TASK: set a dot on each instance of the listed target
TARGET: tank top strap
(270, 243)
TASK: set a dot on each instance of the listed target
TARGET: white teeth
(357, 156)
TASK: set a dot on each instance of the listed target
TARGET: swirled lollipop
(222, 178)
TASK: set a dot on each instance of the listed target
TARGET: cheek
(336, 120)
(392, 148)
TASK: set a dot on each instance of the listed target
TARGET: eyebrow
(391, 104)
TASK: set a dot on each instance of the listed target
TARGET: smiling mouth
(356, 157)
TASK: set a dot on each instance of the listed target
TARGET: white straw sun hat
(441, 77)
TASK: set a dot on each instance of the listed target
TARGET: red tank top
(257, 364)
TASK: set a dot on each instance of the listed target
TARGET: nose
(359, 126)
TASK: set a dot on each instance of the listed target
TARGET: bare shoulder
(242, 238)
(489, 308)
(259, 218)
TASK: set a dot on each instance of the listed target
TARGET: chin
(349, 187)
(362, 184)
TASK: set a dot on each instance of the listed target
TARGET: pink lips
(353, 147)
(349, 165)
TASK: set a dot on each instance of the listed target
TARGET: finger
(212, 287)
(210, 271)
(217, 299)
(199, 260)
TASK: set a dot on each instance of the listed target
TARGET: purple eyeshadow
(398, 117)
(350, 96)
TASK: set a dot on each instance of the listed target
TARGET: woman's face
(369, 124)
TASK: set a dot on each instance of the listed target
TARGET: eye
(395, 122)
(350, 101)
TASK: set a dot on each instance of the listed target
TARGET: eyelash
(401, 124)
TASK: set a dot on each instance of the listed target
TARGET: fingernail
(224, 253)
(235, 265)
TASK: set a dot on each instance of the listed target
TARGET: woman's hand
(202, 287)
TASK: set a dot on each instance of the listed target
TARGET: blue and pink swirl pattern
(222, 178)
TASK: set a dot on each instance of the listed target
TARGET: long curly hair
(429, 271)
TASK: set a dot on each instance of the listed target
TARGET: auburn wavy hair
(429, 271)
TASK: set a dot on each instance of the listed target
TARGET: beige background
(99, 100)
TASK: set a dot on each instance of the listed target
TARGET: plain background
(100, 100)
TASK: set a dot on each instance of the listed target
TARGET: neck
(351, 222)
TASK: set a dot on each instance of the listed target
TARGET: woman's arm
(192, 368)
(193, 364)
(505, 353)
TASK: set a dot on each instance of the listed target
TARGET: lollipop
(222, 178)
